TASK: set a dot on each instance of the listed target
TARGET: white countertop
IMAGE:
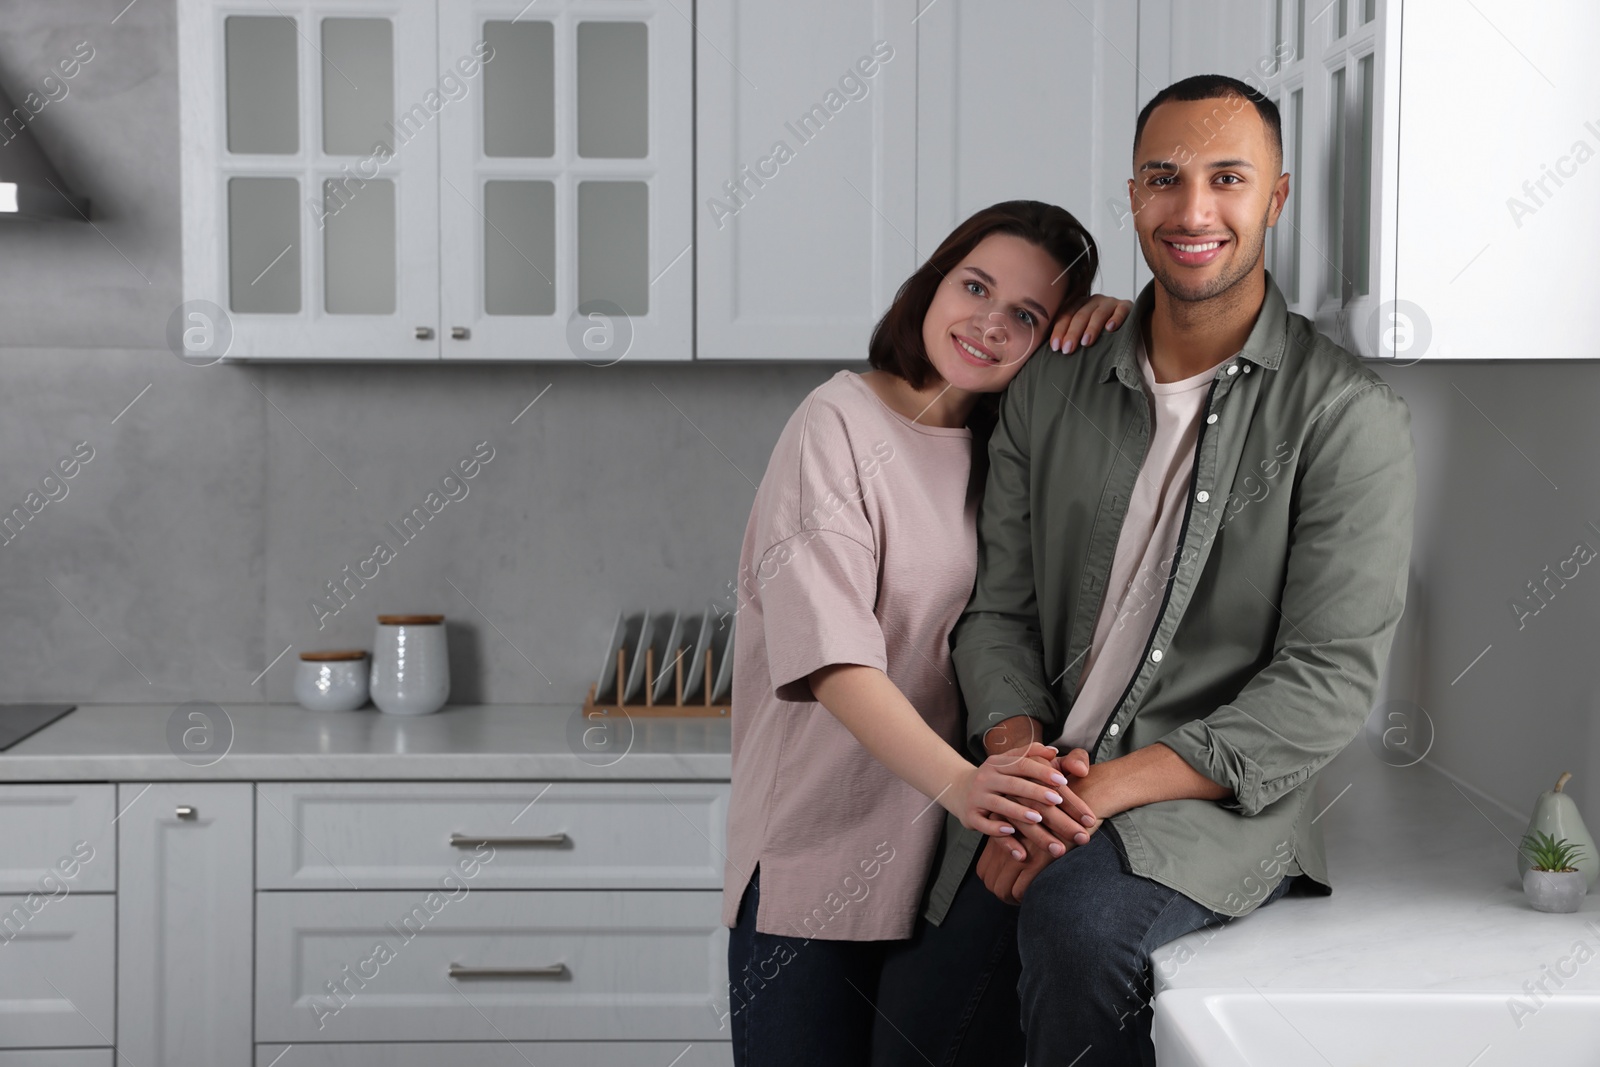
(129, 742)
(1425, 889)
(1425, 897)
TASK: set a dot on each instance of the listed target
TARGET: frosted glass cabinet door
(310, 182)
(805, 198)
(565, 181)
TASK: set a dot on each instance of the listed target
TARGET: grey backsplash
(215, 511)
(187, 551)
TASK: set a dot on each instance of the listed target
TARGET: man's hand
(1005, 877)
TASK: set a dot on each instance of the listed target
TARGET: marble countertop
(1425, 898)
(250, 742)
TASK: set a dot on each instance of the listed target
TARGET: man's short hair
(1216, 87)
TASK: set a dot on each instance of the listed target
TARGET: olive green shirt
(1264, 659)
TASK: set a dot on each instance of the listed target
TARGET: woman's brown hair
(896, 345)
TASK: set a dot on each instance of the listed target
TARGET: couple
(1177, 557)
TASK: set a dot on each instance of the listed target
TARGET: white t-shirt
(1145, 552)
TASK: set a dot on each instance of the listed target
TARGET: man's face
(1206, 188)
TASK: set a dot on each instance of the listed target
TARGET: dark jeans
(946, 996)
(1085, 932)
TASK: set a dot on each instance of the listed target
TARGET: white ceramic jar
(331, 681)
(410, 664)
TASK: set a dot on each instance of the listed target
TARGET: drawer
(56, 970)
(60, 1057)
(61, 832)
(603, 965)
(542, 835)
(499, 1054)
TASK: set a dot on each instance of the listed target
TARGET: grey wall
(1507, 486)
(187, 551)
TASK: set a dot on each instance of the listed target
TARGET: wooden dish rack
(677, 709)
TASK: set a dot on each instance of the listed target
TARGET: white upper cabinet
(805, 193)
(1498, 181)
(565, 181)
(605, 179)
(1329, 67)
(1331, 71)
(1440, 158)
(394, 179)
(310, 220)
(1029, 100)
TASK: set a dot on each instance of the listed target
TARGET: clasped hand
(1028, 808)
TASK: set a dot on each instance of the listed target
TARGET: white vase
(1555, 890)
(410, 664)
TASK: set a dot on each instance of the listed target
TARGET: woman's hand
(1066, 825)
(1082, 325)
(994, 797)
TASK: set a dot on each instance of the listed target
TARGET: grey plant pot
(1555, 890)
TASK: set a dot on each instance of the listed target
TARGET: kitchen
(233, 475)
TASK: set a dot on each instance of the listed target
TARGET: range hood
(30, 188)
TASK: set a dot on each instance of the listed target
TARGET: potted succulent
(1553, 883)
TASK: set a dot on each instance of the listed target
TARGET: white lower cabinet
(490, 965)
(184, 915)
(58, 924)
(62, 832)
(56, 970)
(490, 923)
(544, 835)
(363, 924)
(498, 1054)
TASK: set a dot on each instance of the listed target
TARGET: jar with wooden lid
(332, 681)
(410, 664)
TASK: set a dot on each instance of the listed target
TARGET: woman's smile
(974, 352)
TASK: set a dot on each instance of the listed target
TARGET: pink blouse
(861, 548)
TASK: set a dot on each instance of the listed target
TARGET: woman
(859, 556)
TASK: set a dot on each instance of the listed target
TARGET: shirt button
(1211, 418)
(1247, 368)
(1234, 369)
(1155, 655)
(1202, 496)
(1113, 730)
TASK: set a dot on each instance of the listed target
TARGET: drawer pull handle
(467, 841)
(185, 812)
(555, 970)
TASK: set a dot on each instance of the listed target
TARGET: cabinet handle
(466, 841)
(186, 812)
(460, 333)
(554, 970)
(424, 333)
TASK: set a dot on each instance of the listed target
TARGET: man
(1193, 554)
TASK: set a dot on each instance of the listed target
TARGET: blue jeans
(1085, 933)
(945, 997)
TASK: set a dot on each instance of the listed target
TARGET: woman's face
(991, 312)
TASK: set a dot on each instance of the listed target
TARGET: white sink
(1251, 1028)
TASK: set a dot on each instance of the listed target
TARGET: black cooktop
(19, 720)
